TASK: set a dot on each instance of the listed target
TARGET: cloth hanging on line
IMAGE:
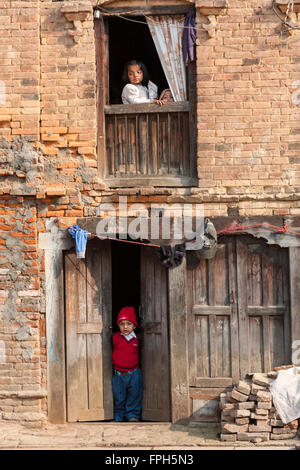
(80, 236)
(166, 33)
(189, 37)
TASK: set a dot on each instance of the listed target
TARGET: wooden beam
(55, 336)
(207, 382)
(102, 82)
(147, 181)
(178, 343)
(180, 106)
(141, 11)
(212, 310)
(257, 311)
(208, 392)
(91, 327)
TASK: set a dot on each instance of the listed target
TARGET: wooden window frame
(104, 108)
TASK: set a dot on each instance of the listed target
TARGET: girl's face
(135, 74)
(168, 96)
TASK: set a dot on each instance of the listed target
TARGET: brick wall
(248, 122)
(247, 148)
(22, 339)
(247, 109)
(68, 86)
(19, 72)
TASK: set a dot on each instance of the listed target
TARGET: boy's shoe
(133, 420)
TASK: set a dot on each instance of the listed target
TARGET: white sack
(285, 390)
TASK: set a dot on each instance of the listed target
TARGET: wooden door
(213, 322)
(88, 338)
(155, 342)
(239, 319)
(263, 305)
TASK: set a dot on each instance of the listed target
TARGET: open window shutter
(88, 338)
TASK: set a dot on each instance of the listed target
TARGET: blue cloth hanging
(80, 236)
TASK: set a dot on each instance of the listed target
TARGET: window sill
(154, 181)
(180, 106)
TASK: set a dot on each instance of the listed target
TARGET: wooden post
(101, 46)
(180, 403)
(54, 243)
(295, 301)
(55, 337)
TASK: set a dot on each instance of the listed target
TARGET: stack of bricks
(248, 412)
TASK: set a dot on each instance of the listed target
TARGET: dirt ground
(125, 436)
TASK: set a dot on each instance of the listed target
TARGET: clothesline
(169, 256)
(230, 229)
(277, 229)
(94, 235)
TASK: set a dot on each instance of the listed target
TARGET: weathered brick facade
(247, 148)
(247, 117)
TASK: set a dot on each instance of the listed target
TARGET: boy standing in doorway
(127, 378)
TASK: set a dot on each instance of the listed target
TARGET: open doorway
(140, 280)
(131, 40)
(125, 279)
(112, 275)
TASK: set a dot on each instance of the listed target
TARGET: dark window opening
(125, 279)
(129, 40)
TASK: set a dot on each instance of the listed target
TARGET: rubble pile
(248, 412)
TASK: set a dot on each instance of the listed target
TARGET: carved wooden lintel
(291, 16)
(211, 7)
(282, 5)
(212, 27)
(77, 13)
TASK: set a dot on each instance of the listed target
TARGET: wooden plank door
(155, 342)
(238, 317)
(212, 330)
(88, 338)
(212, 320)
(263, 305)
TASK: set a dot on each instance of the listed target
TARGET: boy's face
(126, 327)
(135, 74)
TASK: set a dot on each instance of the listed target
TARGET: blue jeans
(128, 395)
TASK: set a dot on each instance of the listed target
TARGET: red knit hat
(127, 313)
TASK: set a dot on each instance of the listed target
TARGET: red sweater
(125, 353)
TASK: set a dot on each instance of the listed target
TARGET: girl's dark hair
(146, 77)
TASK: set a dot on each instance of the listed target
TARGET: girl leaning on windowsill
(138, 87)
